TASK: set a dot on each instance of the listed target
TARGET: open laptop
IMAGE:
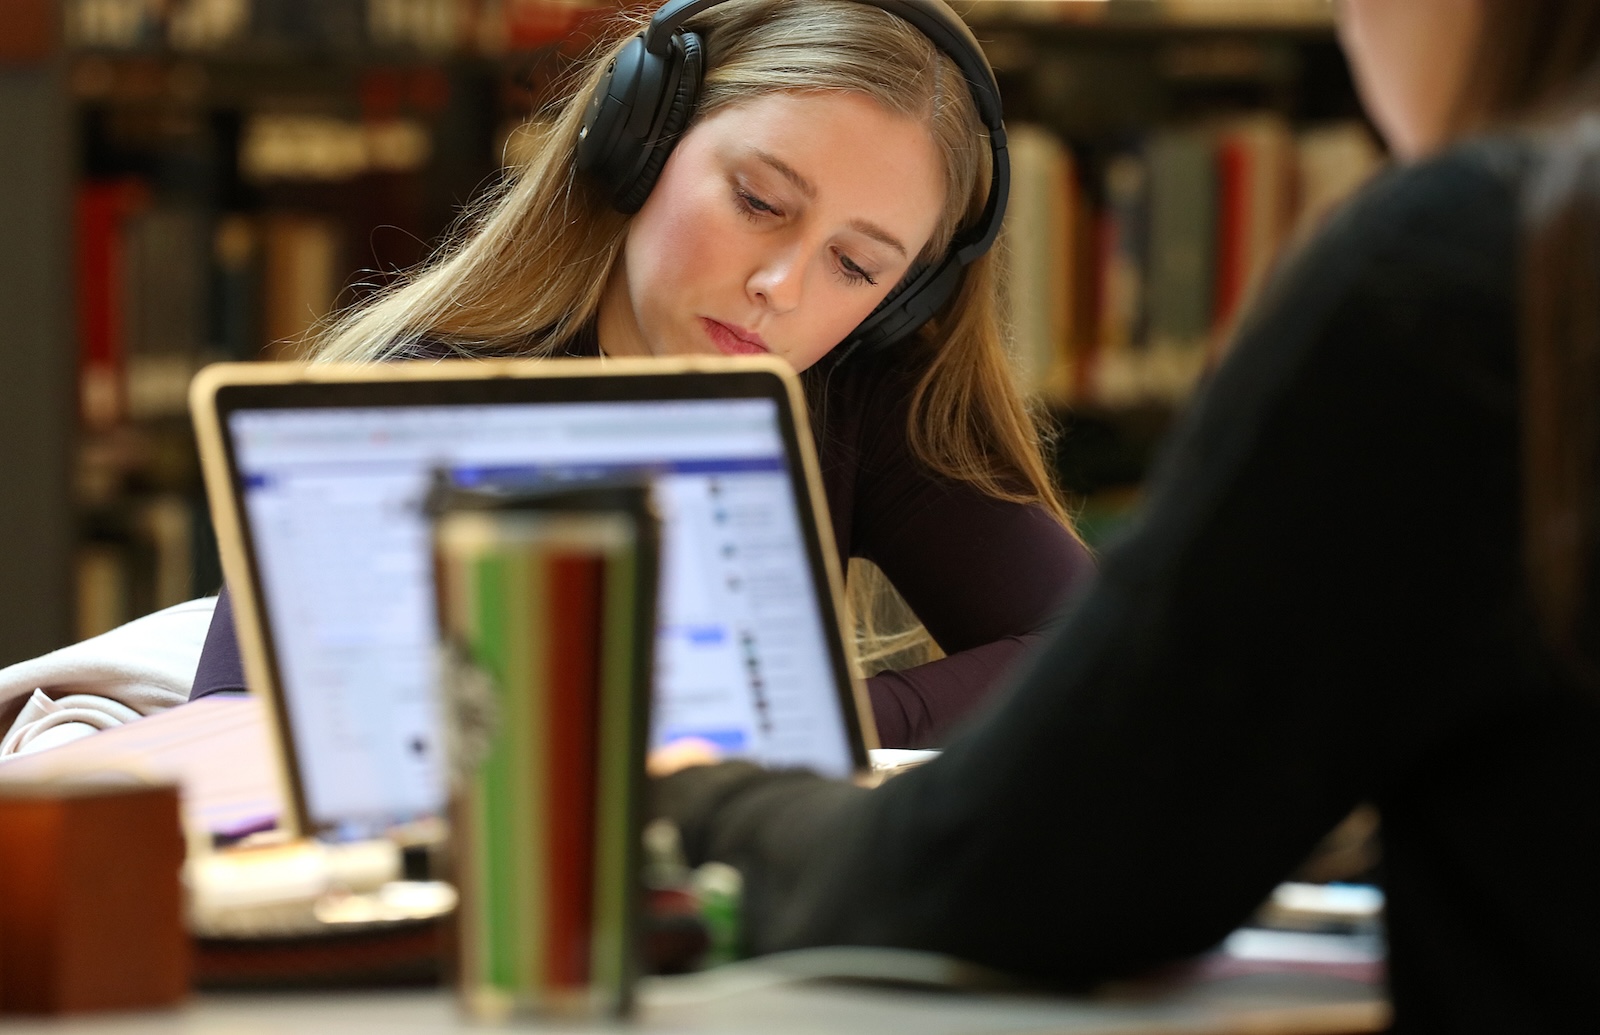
(317, 475)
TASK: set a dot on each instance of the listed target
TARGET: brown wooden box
(91, 906)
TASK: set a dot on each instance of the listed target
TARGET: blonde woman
(815, 179)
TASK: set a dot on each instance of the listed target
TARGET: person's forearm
(917, 707)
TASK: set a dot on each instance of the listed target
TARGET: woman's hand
(681, 754)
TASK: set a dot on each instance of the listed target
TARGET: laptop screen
(333, 499)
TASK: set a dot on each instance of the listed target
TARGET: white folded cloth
(137, 669)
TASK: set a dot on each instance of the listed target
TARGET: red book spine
(1233, 208)
(101, 209)
(574, 661)
(530, 24)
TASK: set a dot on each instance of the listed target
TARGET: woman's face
(776, 227)
(1410, 59)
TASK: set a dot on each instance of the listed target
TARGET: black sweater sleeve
(1314, 596)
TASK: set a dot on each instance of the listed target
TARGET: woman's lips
(733, 341)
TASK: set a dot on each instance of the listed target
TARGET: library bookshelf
(233, 171)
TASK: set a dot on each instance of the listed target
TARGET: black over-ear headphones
(647, 97)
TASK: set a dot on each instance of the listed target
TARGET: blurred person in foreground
(1366, 571)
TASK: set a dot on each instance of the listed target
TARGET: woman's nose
(778, 283)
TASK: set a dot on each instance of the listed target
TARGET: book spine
(1272, 207)
(1065, 302)
(102, 210)
(300, 287)
(166, 308)
(1122, 252)
(1183, 192)
(1235, 186)
(530, 24)
(1255, 205)
(1039, 235)
(235, 315)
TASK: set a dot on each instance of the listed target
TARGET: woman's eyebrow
(879, 234)
(788, 172)
(809, 189)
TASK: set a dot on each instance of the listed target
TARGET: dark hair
(1535, 59)
(1538, 67)
(1560, 371)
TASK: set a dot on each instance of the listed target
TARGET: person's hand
(681, 754)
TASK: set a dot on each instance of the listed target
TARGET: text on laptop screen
(335, 502)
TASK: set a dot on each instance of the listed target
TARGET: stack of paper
(218, 751)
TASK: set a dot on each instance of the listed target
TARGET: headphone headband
(933, 18)
(655, 83)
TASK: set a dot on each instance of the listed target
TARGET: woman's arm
(984, 576)
(220, 670)
(1315, 598)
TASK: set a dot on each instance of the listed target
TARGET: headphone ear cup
(605, 144)
(680, 110)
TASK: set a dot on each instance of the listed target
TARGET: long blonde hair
(525, 273)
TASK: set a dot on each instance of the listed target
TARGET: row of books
(345, 26)
(1128, 271)
(494, 26)
(142, 553)
(221, 236)
(326, 147)
(165, 286)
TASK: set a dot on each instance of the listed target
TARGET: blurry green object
(720, 889)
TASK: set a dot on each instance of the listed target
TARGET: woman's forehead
(838, 143)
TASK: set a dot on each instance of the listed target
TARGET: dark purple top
(983, 575)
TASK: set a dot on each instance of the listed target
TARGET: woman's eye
(753, 206)
(854, 274)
